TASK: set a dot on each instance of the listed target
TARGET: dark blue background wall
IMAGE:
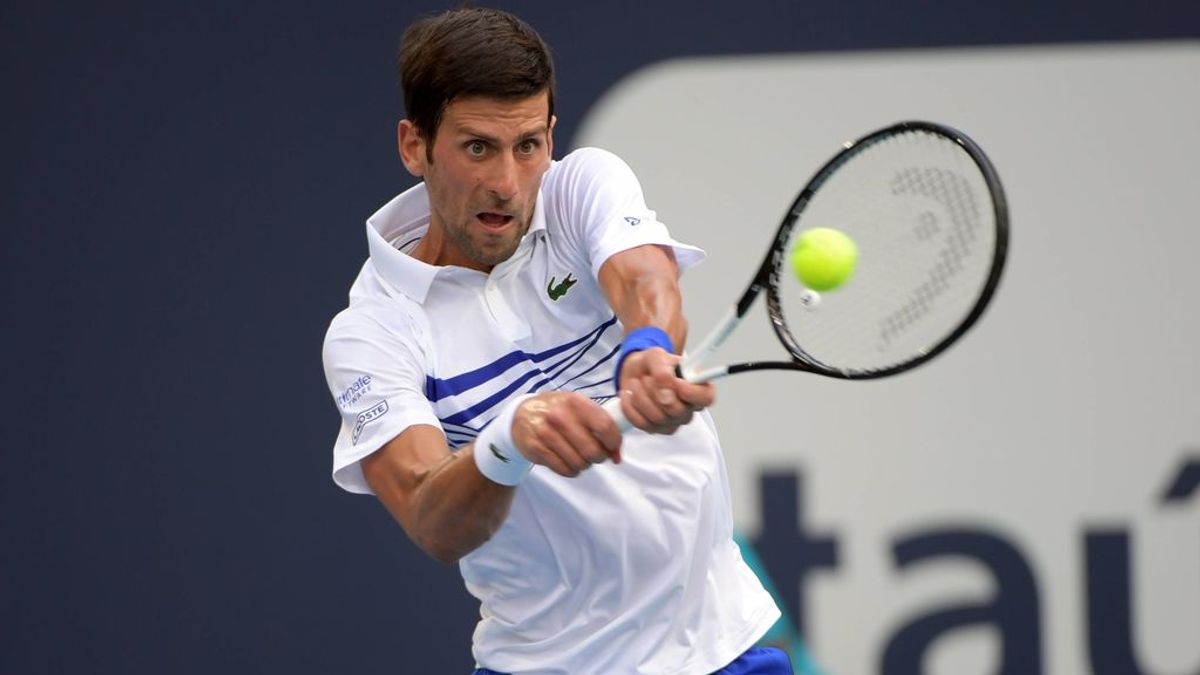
(183, 195)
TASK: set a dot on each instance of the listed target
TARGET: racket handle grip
(613, 407)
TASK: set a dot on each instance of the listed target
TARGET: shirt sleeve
(605, 211)
(376, 375)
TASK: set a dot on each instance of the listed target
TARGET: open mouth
(494, 221)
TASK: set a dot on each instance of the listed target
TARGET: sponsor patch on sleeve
(366, 417)
(354, 392)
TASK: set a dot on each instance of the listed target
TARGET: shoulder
(393, 326)
(592, 157)
(589, 183)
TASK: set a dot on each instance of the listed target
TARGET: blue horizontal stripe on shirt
(436, 389)
(487, 403)
(573, 361)
(594, 366)
(461, 417)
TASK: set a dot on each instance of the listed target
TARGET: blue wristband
(639, 339)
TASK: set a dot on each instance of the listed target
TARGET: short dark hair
(471, 51)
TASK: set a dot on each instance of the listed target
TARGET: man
(502, 296)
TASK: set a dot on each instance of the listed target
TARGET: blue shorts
(755, 661)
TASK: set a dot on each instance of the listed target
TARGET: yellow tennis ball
(824, 258)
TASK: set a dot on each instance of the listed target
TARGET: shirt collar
(401, 220)
(406, 218)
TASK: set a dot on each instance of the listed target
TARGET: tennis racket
(925, 207)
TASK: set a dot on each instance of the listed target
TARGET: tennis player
(506, 296)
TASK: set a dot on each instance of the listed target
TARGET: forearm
(654, 301)
(451, 503)
(643, 289)
(457, 509)
(447, 507)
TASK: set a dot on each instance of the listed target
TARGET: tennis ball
(824, 258)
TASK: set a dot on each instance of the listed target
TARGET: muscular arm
(641, 284)
(447, 507)
(440, 499)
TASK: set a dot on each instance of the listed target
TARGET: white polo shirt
(626, 568)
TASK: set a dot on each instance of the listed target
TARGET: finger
(660, 365)
(555, 464)
(574, 428)
(661, 360)
(697, 396)
(629, 408)
(678, 414)
(642, 400)
(657, 420)
(663, 390)
(663, 384)
(556, 444)
(539, 454)
(602, 427)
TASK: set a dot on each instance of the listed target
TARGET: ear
(550, 137)
(412, 148)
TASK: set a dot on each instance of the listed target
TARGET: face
(488, 157)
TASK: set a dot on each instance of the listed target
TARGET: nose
(503, 178)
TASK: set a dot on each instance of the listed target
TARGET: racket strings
(950, 190)
(921, 212)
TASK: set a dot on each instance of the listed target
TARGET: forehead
(497, 116)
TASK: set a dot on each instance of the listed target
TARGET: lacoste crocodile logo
(556, 292)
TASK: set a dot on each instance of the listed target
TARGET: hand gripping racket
(925, 207)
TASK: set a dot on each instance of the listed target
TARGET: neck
(435, 248)
(431, 249)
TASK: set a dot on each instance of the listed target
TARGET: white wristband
(496, 454)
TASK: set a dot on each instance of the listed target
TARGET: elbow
(449, 551)
(450, 537)
(446, 555)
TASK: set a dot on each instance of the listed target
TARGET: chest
(539, 322)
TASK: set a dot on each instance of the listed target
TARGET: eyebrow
(468, 131)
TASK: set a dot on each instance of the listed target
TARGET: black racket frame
(771, 270)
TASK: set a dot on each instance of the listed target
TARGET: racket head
(927, 211)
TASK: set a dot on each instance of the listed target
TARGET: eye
(476, 148)
(527, 146)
